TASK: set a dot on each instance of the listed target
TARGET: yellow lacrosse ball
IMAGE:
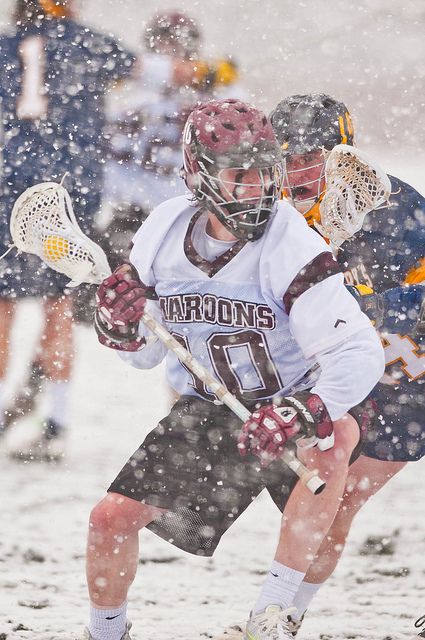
(55, 248)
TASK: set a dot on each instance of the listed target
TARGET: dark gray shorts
(190, 465)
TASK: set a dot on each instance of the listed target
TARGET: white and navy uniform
(146, 121)
(268, 318)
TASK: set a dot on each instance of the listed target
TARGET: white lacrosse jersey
(257, 316)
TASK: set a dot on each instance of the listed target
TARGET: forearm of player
(150, 356)
(204, 74)
(349, 371)
(164, 70)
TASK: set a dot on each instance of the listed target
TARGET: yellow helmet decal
(350, 127)
(346, 128)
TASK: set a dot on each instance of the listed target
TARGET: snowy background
(368, 53)
(371, 55)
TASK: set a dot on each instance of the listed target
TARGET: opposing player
(146, 120)
(386, 255)
(54, 73)
(240, 280)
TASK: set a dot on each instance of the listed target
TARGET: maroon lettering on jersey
(266, 318)
(213, 309)
(210, 309)
(320, 268)
(175, 309)
(244, 313)
(192, 312)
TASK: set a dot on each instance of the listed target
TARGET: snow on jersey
(250, 316)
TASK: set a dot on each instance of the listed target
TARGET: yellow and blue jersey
(387, 254)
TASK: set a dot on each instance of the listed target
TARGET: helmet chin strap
(248, 233)
(310, 209)
(59, 10)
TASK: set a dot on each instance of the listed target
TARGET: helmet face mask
(233, 165)
(242, 199)
(307, 126)
(304, 179)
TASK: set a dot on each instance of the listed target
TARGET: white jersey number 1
(32, 103)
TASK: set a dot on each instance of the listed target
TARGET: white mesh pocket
(354, 186)
(43, 223)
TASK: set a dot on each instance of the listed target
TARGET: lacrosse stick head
(355, 185)
(43, 223)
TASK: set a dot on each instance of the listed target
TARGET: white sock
(108, 624)
(304, 595)
(58, 401)
(280, 587)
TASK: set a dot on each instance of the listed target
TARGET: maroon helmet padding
(220, 125)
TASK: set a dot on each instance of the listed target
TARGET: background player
(387, 252)
(146, 120)
(240, 280)
(54, 73)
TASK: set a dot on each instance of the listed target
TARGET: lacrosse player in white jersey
(239, 279)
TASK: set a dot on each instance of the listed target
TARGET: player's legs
(7, 314)
(56, 345)
(365, 478)
(51, 369)
(56, 354)
(196, 440)
(307, 518)
(113, 547)
(305, 522)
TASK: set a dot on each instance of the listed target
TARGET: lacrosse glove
(120, 304)
(269, 428)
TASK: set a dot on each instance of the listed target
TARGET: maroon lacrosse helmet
(231, 134)
(174, 33)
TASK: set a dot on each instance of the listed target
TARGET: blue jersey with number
(73, 67)
(388, 252)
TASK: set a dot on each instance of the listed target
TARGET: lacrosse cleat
(126, 636)
(274, 623)
(236, 631)
(26, 399)
(47, 446)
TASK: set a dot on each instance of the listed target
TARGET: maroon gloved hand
(267, 431)
(121, 300)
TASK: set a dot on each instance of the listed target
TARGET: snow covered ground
(46, 507)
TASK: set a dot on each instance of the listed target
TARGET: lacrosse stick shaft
(309, 478)
(60, 243)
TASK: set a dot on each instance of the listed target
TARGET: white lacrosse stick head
(43, 223)
(355, 185)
